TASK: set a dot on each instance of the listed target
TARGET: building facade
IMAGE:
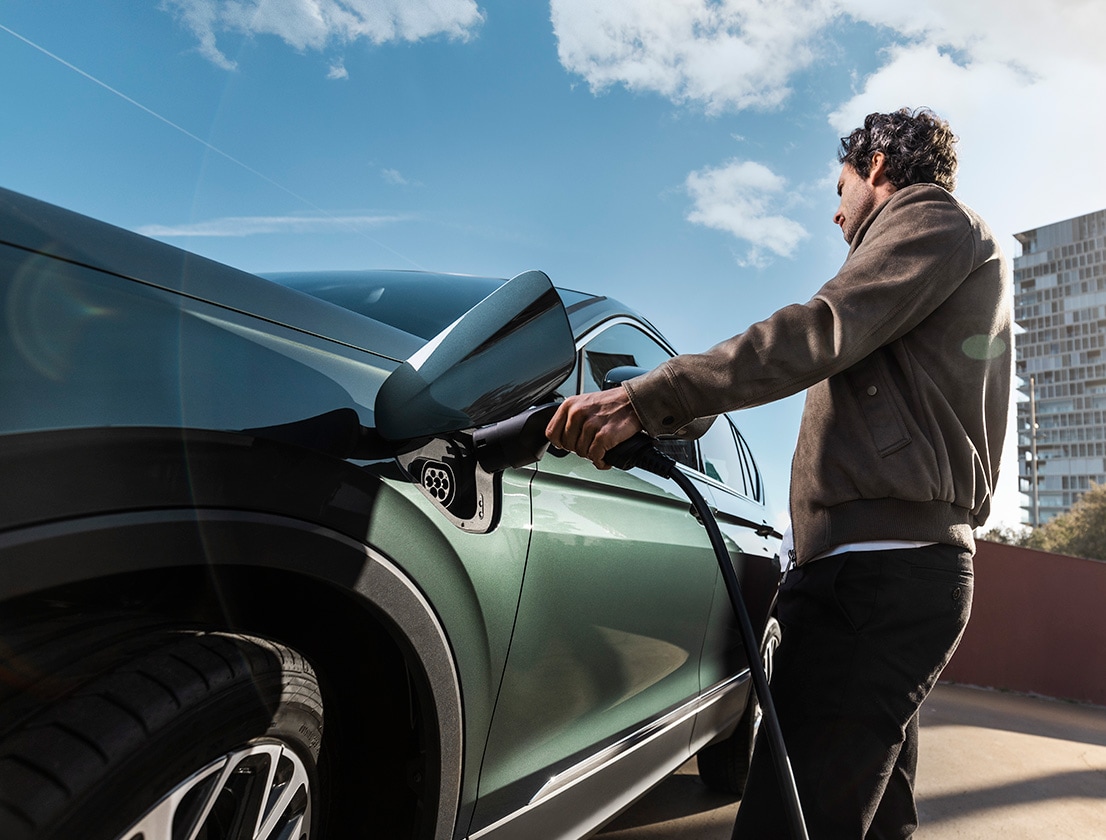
(1060, 303)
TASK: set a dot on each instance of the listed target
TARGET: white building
(1060, 302)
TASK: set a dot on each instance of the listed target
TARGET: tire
(199, 728)
(724, 766)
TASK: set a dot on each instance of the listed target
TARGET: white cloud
(734, 54)
(201, 17)
(313, 24)
(393, 176)
(723, 54)
(739, 198)
(1024, 97)
(337, 71)
(1029, 33)
(253, 225)
(1020, 81)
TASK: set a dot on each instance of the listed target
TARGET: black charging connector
(514, 442)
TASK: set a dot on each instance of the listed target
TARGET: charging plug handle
(639, 451)
(514, 442)
(520, 440)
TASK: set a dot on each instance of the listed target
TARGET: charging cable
(639, 451)
(520, 440)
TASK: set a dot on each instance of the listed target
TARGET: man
(906, 358)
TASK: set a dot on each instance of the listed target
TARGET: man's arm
(913, 254)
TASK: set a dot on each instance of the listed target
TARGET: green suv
(259, 580)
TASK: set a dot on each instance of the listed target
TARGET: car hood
(44, 228)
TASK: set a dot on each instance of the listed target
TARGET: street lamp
(1033, 450)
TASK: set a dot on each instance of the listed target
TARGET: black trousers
(865, 636)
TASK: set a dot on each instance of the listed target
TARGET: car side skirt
(578, 800)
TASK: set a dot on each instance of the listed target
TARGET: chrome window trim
(615, 320)
(733, 491)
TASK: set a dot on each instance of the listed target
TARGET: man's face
(858, 200)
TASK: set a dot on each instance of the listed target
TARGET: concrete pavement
(992, 765)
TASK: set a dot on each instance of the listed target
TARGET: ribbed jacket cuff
(657, 402)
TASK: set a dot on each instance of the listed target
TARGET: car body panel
(473, 581)
(590, 654)
(87, 348)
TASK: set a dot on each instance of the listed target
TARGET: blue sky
(677, 155)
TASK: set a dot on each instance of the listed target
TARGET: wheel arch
(207, 566)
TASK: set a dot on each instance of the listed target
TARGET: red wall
(1038, 625)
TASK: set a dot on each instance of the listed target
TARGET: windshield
(419, 303)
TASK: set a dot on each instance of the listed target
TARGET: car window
(722, 460)
(617, 346)
(418, 303)
(754, 486)
(621, 345)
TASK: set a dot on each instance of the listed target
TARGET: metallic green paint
(132, 370)
(618, 589)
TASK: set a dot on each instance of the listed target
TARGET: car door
(618, 588)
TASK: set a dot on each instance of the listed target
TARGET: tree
(1081, 532)
(1009, 536)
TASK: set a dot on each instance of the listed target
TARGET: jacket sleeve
(906, 259)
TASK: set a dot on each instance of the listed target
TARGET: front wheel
(203, 735)
(724, 766)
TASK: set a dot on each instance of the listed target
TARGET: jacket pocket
(874, 392)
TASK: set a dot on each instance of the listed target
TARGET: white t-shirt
(787, 548)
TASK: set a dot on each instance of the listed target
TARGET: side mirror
(504, 355)
(680, 450)
(616, 376)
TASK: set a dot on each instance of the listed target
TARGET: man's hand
(590, 424)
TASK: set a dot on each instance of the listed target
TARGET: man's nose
(838, 217)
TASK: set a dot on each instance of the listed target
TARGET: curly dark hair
(917, 147)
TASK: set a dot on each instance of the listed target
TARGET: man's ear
(877, 176)
(877, 170)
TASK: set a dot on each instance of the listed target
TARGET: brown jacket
(907, 355)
